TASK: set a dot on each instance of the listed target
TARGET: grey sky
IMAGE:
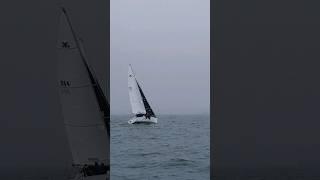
(168, 44)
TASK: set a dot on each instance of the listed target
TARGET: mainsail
(134, 94)
(138, 100)
(84, 106)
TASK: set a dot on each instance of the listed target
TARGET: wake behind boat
(139, 104)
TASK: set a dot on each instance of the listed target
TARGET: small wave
(178, 162)
(153, 153)
(153, 138)
(181, 160)
(121, 177)
(137, 166)
(169, 150)
(147, 154)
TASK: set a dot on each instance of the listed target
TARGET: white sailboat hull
(136, 120)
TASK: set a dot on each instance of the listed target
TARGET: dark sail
(149, 111)
(103, 104)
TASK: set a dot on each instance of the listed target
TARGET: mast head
(131, 70)
(63, 9)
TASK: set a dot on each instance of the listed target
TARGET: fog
(168, 44)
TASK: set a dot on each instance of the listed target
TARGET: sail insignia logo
(65, 44)
(65, 83)
(65, 90)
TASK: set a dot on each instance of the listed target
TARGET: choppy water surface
(175, 148)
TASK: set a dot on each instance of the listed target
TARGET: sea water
(176, 148)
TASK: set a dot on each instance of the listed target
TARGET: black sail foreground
(84, 105)
(149, 111)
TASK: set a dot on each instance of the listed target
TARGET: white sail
(83, 118)
(134, 94)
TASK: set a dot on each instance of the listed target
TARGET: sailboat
(86, 111)
(139, 104)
